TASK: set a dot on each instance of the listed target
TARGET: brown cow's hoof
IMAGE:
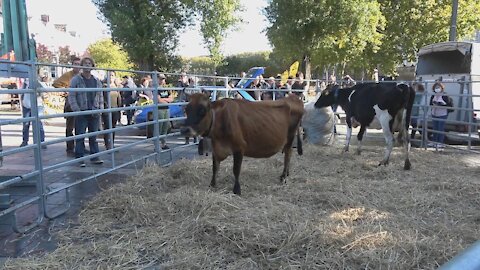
(201, 149)
(407, 165)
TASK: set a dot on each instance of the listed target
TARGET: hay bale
(318, 124)
(338, 211)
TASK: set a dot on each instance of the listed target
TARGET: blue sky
(81, 15)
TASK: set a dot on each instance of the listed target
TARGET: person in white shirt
(26, 102)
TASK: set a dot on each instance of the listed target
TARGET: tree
(44, 55)
(360, 34)
(413, 24)
(109, 55)
(217, 17)
(234, 64)
(237, 63)
(327, 32)
(149, 29)
(199, 65)
(64, 55)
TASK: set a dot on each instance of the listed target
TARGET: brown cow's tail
(299, 142)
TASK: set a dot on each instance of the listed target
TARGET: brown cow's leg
(237, 165)
(286, 165)
(287, 149)
(216, 164)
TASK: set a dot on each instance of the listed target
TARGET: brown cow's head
(199, 116)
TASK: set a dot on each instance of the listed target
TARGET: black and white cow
(365, 103)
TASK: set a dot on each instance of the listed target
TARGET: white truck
(457, 66)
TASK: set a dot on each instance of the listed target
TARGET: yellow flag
(293, 69)
(284, 77)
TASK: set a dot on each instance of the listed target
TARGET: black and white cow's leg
(360, 138)
(406, 142)
(384, 118)
(237, 165)
(216, 164)
(349, 134)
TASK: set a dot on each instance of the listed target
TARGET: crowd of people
(272, 87)
(123, 93)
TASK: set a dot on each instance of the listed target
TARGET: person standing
(64, 82)
(182, 83)
(146, 94)
(299, 84)
(85, 101)
(269, 84)
(128, 97)
(25, 100)
(164, 97)
(440, 102)
(116, 102)
(418, 109)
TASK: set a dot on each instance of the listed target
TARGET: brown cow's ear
(204, 101)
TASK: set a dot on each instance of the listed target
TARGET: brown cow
(245, 128)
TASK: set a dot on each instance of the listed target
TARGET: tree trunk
(344, 64)
(308, 67)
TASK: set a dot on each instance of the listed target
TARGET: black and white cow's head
(328, 97)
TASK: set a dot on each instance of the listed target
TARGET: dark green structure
(15, 31)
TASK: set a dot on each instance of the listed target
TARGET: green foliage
(413, 24)
(199, 65)
(362, 34)
(64, 55)
(107, 54)
(149, 29)
(233, 65)
(327, 31)
(237, 63)
(216, 18)
(44, 55)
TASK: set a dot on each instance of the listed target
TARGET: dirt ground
(337, 211)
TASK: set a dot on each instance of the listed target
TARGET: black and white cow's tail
(409, 97)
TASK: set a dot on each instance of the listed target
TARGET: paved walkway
(39, 238)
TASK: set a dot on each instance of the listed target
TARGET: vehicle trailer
(457, 66)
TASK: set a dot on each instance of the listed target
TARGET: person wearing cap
(164, 97)
(269, 84)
